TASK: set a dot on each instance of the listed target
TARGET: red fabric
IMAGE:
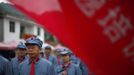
(58, 57)
(37, 59)
(32, 68)
(65, 66)
(47, 56)
(21, 59)
(88, 33)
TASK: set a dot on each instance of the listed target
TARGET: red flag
(100, 32)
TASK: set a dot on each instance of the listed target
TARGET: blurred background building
(16, 27)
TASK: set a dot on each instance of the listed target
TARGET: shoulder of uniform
(3, 59)
(53, 57)
(15, 58)
(45, 61)
(59, 66)
(25, 62)
(76, 66)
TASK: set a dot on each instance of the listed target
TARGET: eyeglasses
(31, 46)
(64, 54)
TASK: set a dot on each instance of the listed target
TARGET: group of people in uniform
(30, 60)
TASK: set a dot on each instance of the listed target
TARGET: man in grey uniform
(20, 57)
(67, 68)
(5, 66)
(35, 65)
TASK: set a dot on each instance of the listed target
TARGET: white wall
(35, 29)
(9, 36)
(42, 34)
(32, 29)
(29, 29)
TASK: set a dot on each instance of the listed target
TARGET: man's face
(21, 52)
(33, 51)
(48, 51)
(65, 58)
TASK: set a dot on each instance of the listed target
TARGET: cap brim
(20, 48)
(63, 53)
(30, 44)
